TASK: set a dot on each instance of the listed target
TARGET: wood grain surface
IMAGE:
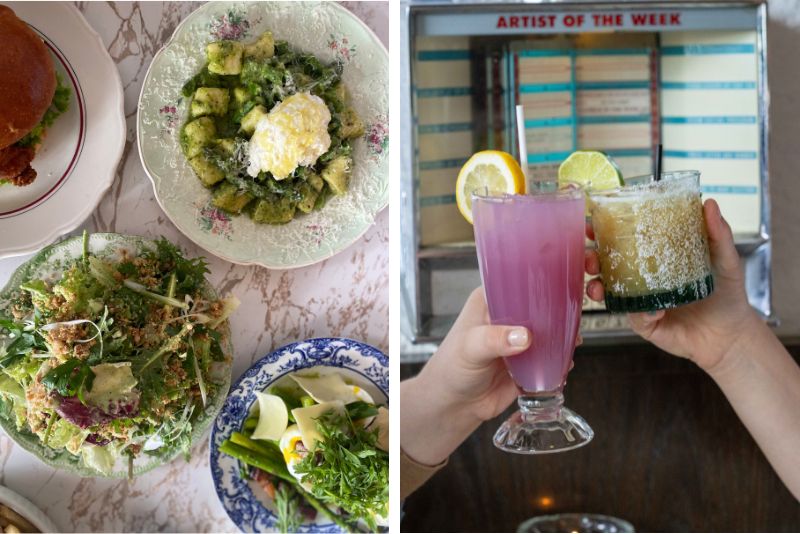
(669, 454)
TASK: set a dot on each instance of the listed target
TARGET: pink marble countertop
(346, 295)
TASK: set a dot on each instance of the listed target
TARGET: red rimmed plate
(78, 159)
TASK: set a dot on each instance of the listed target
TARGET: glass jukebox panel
(445, 95)
(623, 93)
(620, 79)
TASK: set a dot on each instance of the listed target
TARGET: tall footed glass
(531, 255)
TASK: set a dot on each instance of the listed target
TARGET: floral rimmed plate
(48, 265)
(324, 29)
(78, 159)
(245, 502)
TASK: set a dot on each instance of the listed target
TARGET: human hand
(703, 331)
(468, 369)
(463, 384)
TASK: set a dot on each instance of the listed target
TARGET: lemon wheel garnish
(591, 169)
(490, 171)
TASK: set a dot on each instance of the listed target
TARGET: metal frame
(755, 249)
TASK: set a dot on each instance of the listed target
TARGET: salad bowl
(244, 500)
(49, 265)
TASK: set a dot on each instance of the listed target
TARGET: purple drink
(531, 255)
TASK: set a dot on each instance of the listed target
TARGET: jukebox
(621, 77)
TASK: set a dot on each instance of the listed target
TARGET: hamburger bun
(27, 78)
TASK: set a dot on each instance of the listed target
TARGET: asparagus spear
(257, 460)
(266, 448)
(250, 424)
(278, 469)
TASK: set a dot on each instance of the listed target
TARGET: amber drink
(652, 243)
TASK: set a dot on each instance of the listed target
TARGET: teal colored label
(710, 154)
(695, 50)
(445, 128)
(730, 189)
(444, 91)
(441, 164)
(708, 85)
(441, 200)
(443, 55)
(741, 119)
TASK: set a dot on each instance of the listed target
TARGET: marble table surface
(346, 295)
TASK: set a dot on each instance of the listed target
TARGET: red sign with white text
(538, 20)
(592, 21)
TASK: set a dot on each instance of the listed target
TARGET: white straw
(523, 144)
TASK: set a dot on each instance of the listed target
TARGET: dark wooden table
(669, 454)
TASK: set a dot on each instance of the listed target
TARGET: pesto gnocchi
(269, 129)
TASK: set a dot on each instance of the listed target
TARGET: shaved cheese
(306, 420)
(327, 388)
(273, 417)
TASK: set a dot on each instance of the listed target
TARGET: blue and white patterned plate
(245, 502)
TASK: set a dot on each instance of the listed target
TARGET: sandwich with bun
(31, 97)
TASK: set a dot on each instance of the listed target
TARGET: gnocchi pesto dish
(269, 129)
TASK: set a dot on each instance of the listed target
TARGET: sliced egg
(362, 394)
(288, 446)
(293, 134)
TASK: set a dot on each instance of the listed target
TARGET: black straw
(659, 157)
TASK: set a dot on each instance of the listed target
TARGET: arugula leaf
(348, 469)
(69, 379)
(127, 269)
(361, 410)
(190, 272)
(35, 286)
(22, 344)
(9, 360)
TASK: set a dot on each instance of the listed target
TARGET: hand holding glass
(531, 255)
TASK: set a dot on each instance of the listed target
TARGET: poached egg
(293, 134)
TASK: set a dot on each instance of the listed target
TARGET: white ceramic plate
(244, 500)
(27, 509)
(78, 159)
(332, 34)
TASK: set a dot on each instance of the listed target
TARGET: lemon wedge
(492, 171)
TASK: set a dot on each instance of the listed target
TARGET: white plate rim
(27, 509)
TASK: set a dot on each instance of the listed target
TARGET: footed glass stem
(542, 425)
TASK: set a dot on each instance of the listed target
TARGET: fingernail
(652, 313)
(518, 337)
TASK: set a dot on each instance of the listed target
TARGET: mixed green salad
(317, 444)
(115, 356)
(269, 129)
